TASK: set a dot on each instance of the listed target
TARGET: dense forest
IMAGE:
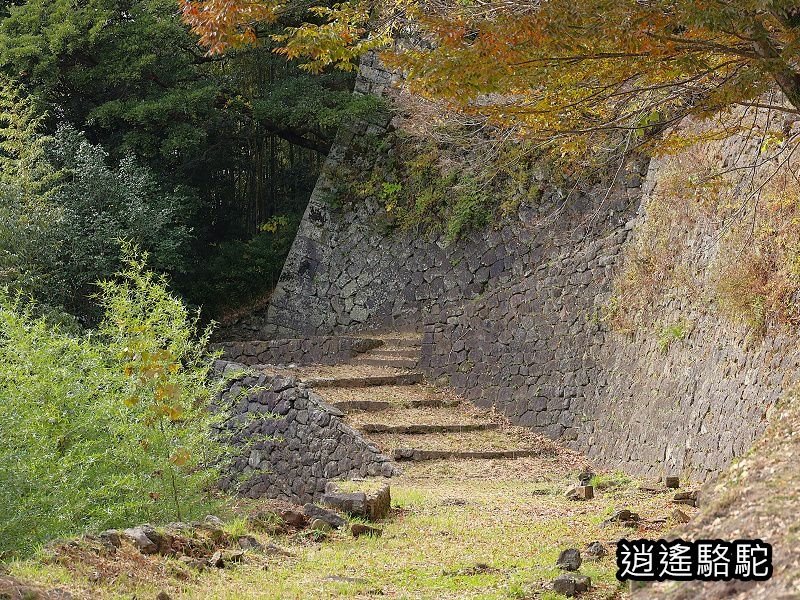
(146, 190)
(116, 125)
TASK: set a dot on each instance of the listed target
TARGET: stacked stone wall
(513, 317)
(313, 350)
(287, 441)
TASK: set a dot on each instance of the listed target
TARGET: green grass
(430, 548)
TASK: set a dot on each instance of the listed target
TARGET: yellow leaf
(175, 413)
(180, 458)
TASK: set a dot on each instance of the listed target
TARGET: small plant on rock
(672, 333)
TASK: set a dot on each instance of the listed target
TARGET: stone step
(366, 381)
(403, 342)
(398, 396)
(393, 362)
(417, 455)
(406, 352)
(419, 428)
(502, 442)
(380, 405)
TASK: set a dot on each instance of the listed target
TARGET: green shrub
(64, 205)
(103, 429)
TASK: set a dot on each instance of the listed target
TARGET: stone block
(370, 499)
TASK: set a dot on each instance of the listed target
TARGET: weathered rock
(672, 482)
(295, 518)
(215, 535)
(217, 560)
(111, 538)
(145, 538)
(585, 477)
(688, 498)
(313, 511)
(162, 595)
(581, 492)
(571, 585)
(569, 560)
(195, 563)
(214, 521)
(273, 550)
(373, 503)
(679, 516)
(622, 517)
(595, 550)
(248, 542)
(321, 525)
(359, 529)
(453, 502)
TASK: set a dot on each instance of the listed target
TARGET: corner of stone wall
(286, 441)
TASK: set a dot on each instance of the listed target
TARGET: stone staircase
(383, 396)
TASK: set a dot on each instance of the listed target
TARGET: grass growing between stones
(459, 529)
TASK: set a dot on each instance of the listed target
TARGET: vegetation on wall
(449, 184)
(741, 214)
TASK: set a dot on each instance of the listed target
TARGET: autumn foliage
(558, 70)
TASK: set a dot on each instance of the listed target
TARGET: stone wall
(537, 347)
(313, 350)
(513, 317)
(288, 442)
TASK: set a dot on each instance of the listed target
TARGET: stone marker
(571, 585)
(569, 560)
(373, 501)
(672, 482)
(595, 550)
